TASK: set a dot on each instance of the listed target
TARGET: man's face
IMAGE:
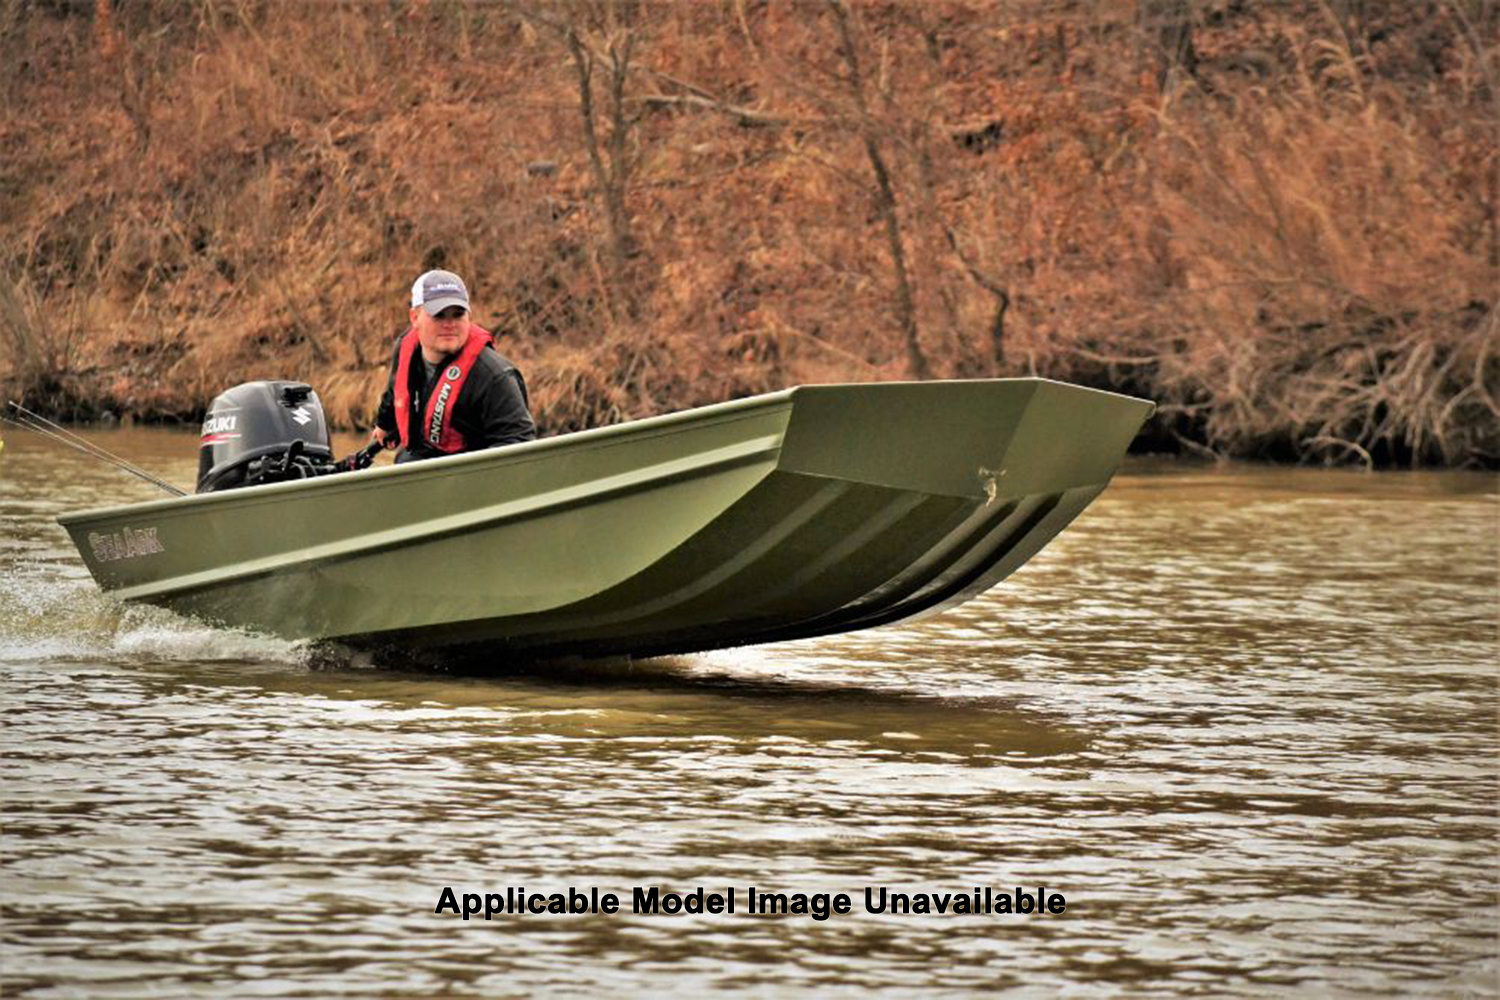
(442, 334)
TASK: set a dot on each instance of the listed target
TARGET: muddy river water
(1244, 722)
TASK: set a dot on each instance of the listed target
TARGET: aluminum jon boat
(818, 509)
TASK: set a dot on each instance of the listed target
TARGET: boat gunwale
(541, 448)
(453, 465)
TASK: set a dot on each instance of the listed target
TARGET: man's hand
(377, 436)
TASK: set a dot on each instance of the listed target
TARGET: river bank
(1278, 221)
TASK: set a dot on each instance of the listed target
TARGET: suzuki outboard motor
(263, 432)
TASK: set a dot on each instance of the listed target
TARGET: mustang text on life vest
(437, 424)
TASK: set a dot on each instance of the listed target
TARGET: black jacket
(491, 408)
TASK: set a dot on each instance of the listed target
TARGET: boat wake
(44, 616)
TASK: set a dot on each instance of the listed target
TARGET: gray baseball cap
(437, 290)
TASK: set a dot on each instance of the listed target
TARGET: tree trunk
(885, 201)
(611, 176)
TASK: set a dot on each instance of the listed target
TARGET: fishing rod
(36, 422)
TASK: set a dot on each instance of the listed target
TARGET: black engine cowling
(263, 432)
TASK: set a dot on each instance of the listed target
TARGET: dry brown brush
(1278, 220)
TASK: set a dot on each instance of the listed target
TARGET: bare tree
(885, 196)
(601, 39)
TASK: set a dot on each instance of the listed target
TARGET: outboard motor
(263, 432)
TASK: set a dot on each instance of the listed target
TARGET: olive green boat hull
(814, 510)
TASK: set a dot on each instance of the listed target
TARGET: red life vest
(437, 420)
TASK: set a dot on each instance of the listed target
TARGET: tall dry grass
(1279, 220)
(1331, 270)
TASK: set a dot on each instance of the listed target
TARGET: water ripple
(1244, 720)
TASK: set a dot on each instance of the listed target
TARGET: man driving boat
(449, 390)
